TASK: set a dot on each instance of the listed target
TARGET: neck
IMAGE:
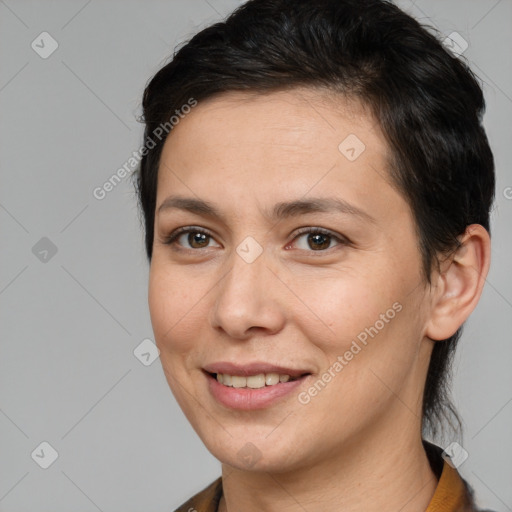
(380, 472)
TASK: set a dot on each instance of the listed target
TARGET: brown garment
(453, 494)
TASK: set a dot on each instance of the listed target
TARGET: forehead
(298, 116)
(240, 147)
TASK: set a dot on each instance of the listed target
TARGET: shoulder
(206, 500)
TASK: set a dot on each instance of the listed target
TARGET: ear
(458, 286)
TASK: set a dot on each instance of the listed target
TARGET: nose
(247, 299)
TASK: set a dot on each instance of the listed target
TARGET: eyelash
(172, 238)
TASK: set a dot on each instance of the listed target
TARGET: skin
(357, 444)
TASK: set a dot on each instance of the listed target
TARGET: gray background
(71, 323)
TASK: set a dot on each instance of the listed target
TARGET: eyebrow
(280, 211)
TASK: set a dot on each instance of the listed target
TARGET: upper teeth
(253, 381)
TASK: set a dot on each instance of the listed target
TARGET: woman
(316, 186)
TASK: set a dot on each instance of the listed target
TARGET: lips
(252, 386)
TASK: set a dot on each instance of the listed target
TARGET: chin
(258, 453)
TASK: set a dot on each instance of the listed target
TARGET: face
(286, 262)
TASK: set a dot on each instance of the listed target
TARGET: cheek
(377, 334)
(338, 309)
(361, 324)
(175, 305)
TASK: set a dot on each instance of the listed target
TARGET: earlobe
(459, 285)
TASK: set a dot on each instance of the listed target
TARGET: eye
(196, 237)
(318, 239)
